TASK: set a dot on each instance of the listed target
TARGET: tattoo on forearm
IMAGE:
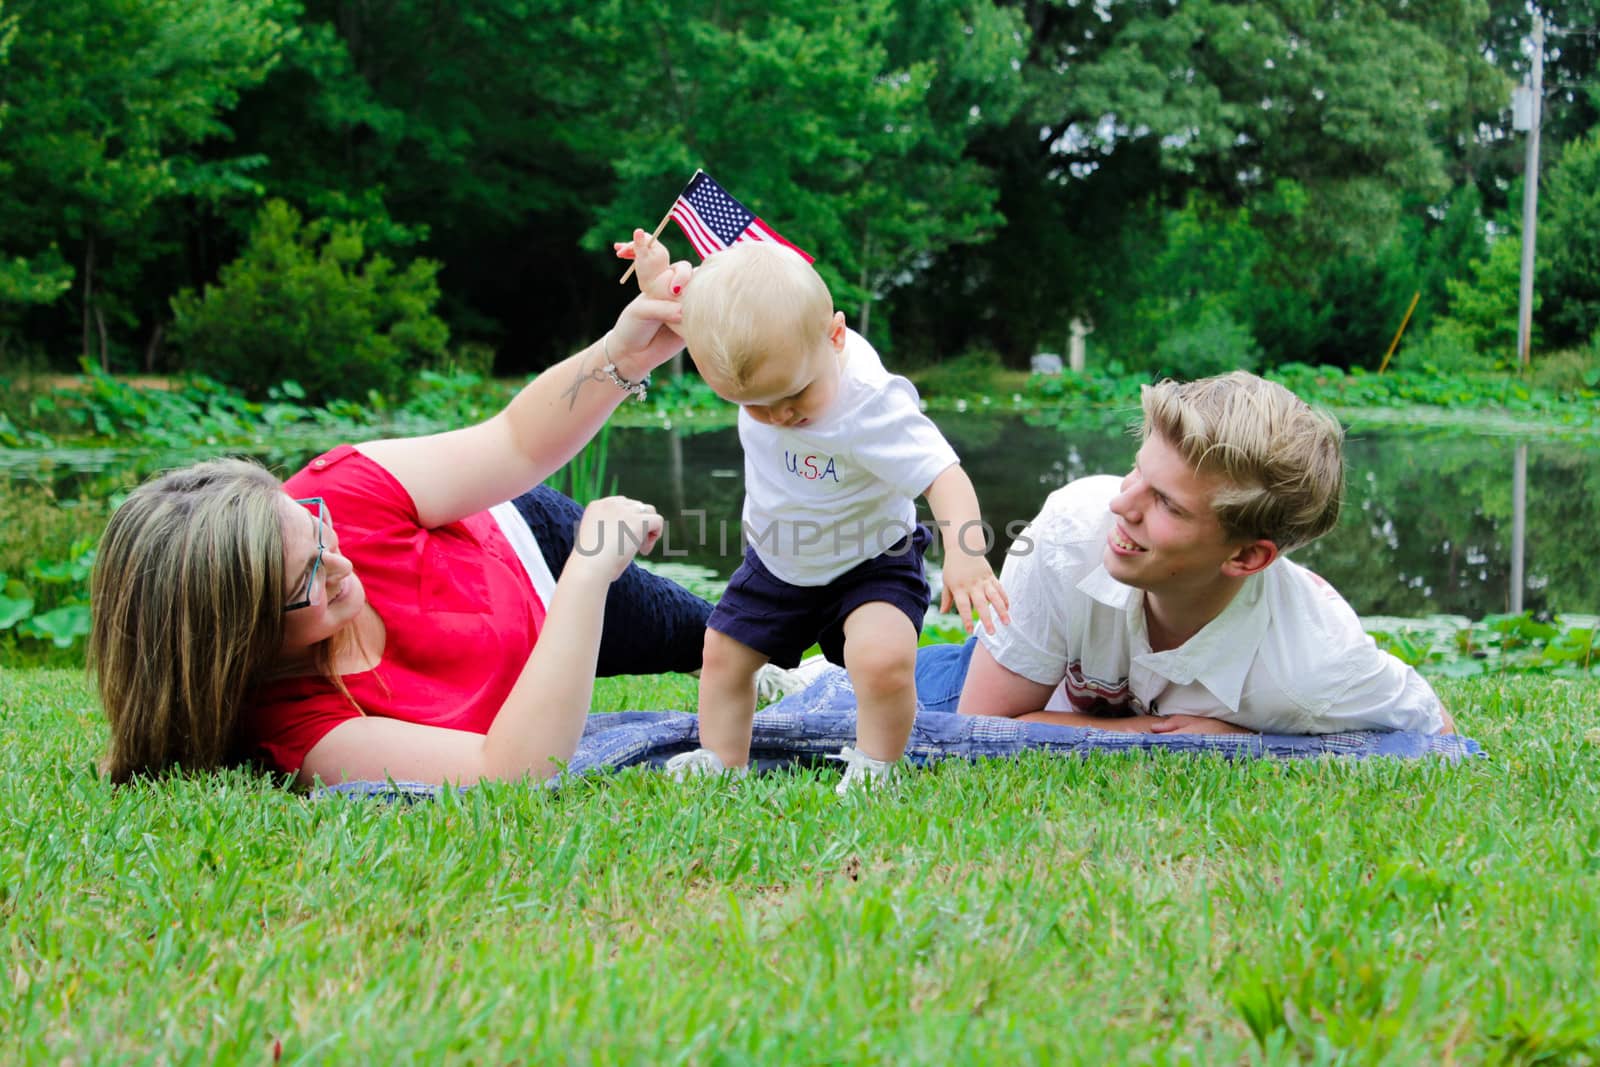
(578, 380)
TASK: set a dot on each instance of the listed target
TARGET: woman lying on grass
(372, 616)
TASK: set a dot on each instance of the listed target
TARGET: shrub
(1569, 370)
(1485, 307)
(1451, 346)
(308, 303)
(1212, 341)
(976, 371)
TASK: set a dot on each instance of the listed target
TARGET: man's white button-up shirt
(1286, 656)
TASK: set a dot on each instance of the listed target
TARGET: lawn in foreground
(1111, 909)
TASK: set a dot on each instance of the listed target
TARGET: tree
(105, 101)
(1325, 123)
(1569, 243)
(475, 132)
(849, 121)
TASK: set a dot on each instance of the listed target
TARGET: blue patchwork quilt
(821, 719)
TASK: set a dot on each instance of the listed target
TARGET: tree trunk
(153, 349)
(88, 295)
(866, 292)
(105, 347)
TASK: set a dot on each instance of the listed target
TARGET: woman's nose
(336, 565)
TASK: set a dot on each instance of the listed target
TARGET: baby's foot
(861, 772)
(700, 763)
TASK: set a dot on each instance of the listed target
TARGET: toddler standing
(836, 449)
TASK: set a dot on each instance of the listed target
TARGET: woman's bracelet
(633, 389)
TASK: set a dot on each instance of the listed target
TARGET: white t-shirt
(822, 498)
(1286, 656)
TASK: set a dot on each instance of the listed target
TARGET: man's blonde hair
(1282, 460)
(751, 302)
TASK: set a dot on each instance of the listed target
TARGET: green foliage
(1484, 308)
(973, 372)
(1569, 242)
(1497, 644)
(584, 477)
(864, 112)
(1430, 386)
(972, 175)
(1326, 131)
(1109, 387)
(1451, 347)
(310, 303)
(107, 103)
(1573, 370)
(47, 547)
(1205, 339)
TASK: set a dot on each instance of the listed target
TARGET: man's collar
(1099, 585)
(1218, 657)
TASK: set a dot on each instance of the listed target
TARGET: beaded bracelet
(633, 389)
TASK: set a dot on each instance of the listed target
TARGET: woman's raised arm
(457, 473)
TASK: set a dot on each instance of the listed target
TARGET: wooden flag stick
(632, 266)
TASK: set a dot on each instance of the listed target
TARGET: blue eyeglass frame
(316, 564)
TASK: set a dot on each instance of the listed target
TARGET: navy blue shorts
(781, 621)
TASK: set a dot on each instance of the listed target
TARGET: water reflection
(1427, 526)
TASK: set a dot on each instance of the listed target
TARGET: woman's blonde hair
(1283, 461)
(188, 595)
(751, 302)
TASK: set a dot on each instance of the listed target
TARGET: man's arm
(991, 689)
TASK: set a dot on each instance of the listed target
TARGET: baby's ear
(837, 332)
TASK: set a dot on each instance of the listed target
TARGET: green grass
(1104, 910)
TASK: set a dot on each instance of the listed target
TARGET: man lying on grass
(1163, 602)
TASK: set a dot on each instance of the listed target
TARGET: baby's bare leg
(880, 651)
(728, 697)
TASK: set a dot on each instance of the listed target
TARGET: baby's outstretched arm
(969, 582)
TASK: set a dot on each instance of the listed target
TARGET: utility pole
(1525, 116)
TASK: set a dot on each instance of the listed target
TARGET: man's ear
(1252, 557)
(836, 332)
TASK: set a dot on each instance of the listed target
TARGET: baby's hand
(970, 584)
(659, 278)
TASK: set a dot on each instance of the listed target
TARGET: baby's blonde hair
(750, 302)
(1282, 460)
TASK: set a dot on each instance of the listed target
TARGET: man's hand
(1194, 724)
(1138, 724)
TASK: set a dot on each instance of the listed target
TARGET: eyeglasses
(304, 600)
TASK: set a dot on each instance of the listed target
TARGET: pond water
(1426, 528)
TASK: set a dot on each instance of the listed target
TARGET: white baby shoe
(773, 683)
(861, 772)
(700, 763)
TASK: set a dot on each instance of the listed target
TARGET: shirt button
(320, 463)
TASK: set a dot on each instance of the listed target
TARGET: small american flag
(713, 220)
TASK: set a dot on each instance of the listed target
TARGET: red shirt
(460, 613)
